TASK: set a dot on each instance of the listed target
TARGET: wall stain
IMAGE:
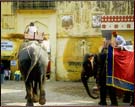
(74, 51)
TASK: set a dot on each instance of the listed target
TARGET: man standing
(2, 72)
(17, 75)
(7, 74)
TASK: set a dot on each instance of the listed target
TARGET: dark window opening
(6, 64)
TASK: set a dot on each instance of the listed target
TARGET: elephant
(33, 61)
(99, 72)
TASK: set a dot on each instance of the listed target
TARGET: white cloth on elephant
(129, 48)
(46, 45)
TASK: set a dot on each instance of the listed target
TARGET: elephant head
(87, 73)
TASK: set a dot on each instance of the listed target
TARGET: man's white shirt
(32, 29)
(120, 40)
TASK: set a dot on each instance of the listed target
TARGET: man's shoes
(102, 103)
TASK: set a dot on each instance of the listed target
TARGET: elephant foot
(102, 103)
(42, 101)
(29, 104)
(131, 104)
(35, 98)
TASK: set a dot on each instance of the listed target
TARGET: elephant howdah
(33, 60)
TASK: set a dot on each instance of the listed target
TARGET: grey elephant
(33, 60)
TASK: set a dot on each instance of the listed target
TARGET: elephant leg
(132, 102)
(126, 98)
(102, 90)
(29, 94)
(35, 92)
(42, 99)
(112, 95)
(26, 96)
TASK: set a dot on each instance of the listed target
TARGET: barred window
(35, 4)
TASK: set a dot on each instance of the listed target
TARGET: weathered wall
(70, 47)
(69, 40)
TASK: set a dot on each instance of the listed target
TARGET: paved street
(57, 94)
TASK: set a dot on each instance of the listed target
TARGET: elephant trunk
(84, 79)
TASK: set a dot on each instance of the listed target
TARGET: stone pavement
(58, 93)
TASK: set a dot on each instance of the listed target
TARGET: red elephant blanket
(120, 69)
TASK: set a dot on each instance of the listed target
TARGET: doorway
(6, 64)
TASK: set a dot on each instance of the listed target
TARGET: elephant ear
(95, 65)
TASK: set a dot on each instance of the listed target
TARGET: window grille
(34, 4)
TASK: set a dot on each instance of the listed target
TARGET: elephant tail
(31, 67)
(33, 62)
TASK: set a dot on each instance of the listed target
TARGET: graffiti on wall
(82, 47)
(72, 60)
(74, 66)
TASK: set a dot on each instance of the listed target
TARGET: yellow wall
(70, 52)
(6, 7)
(14, 52)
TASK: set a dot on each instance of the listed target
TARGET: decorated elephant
(33, 60)
(106, 70)
(98, 71)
